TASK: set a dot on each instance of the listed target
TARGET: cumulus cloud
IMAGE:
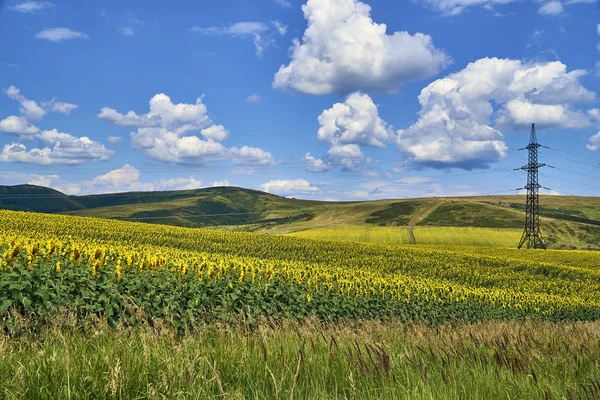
(124, 179)
(349, 156)
(18, 126)
(179, 118)
(220, 183)
(594, 143)
(59, 148)
(355, 121)
(217, 133)
(164, 134)
(554, 7)
(316, 164)
(30, 7)
(455, 126)
(288, 187)
(345, 127)
(60, 34)
(29, 108)
(54, 147)
(344, 50)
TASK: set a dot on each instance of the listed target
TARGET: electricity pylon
(532, 235)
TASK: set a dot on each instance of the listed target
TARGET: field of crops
(437, 235)
(131, 272)
(366, 234)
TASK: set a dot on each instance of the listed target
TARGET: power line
(571, 181)
(571, 160)
(578, 173)
(573, 154)
(290, 165)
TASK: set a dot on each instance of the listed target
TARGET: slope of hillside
(568, 222)
(36, 198)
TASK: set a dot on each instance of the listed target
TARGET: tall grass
(290, 360)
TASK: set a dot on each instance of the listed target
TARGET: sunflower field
(130, 273)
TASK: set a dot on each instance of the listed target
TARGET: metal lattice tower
(532, 235)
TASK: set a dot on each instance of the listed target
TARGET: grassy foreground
(286, 360)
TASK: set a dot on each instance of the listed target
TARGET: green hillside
(496, 221)
(36, 198)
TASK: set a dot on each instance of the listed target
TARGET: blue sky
(326, 99)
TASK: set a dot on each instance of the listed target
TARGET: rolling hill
(568, 222)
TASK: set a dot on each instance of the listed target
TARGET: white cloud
(522, 112)
(129, 119)
(594, 144)
(454, 127)
(34, 111)
(179, 118)
(30, 108)
(60, 107)
(118, 177)
(127, 31)
(253, 98)
(255, 30)
(218, 133)
(18, 126)
(284, 3)
(32, 6)
(237, 29)
(316, 164)
(251, 156)
(127, 179)
(55, 147)
(349, 156)
(220, 183)
(164, 134)
(281, 28)
(60, 148)
(344, 50)
(114, 139)
(124, 179)
(456, 7)
(60, 34)
(288, 187)
(355, 121)
(347, 126)
(554, 7)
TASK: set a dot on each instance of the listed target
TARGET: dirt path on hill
(420, 217)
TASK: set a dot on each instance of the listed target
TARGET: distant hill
(569, 222)
(36, 198)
